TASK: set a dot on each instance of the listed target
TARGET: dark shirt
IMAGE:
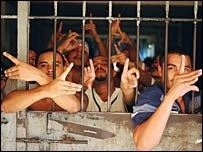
(151, 97)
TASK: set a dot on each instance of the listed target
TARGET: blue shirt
(151, 97)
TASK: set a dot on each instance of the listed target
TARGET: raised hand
(69, 43)
(89, 75)
(60, 86)
(91, 27)
(59, 36)
(115, 29)
(119, 57)
(183, 82)
(129, 78)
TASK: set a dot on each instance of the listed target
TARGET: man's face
(45, 63)
(75, 55)
(101, 68)
(32, 57)
(173, 67)
(3, 82)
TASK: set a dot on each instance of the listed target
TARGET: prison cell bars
(23, 19)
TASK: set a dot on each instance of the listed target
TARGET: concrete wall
(59, 131)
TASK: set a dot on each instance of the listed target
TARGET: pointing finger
(10, 57)
(65, 73)
(60, 27)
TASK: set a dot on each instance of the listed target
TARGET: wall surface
(58, 131)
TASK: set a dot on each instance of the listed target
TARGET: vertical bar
(83, 52)
(22, 45)
(54, 54)
(194, 46)
(166, 46)
(22, 39)
(28, 38)
(109, 56)
(137, 42)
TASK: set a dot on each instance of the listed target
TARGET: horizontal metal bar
(108, 18)
(37, 140)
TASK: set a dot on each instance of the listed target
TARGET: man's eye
(171, 68)
(43, 65)
(187, 69)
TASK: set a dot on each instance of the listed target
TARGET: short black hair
(177, 50)
(49, 50)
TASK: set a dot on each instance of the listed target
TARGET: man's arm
(59, 89)
(148, 134)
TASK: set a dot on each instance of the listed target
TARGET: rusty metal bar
(63, 141)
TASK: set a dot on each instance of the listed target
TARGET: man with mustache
(98, 91)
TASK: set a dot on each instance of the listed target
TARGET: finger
(125, 68)
(182, 65)
(118, 21)
(91, 64)
(117, 49)
(65, 73)
(60, 27)
(73, 86)
(10, 57)
(133, 72)
(91, 21)
(69, 31)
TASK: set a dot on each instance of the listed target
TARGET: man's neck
(102, 89)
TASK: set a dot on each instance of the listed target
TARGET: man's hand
(184, 82)
(23, 71)
(60, 86)
(89, 75)
(129, 78)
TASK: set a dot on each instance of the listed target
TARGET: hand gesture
(184, 82)
(91, 27)
(125, 39)
(119, 57)
(60, 86)
(89, 75)
(22, 70)
(115, 29)
(129, 78)
(59, 36)
(69, 43)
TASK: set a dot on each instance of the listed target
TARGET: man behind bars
(59, 91)
(153, 108)
(97, 91)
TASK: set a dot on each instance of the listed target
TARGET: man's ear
(160, 70)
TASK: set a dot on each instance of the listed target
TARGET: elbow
(143, 146)
(5, 108)
(74, 109)
(140, 143)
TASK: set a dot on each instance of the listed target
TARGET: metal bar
(106, 18)
(137, 43)
(109, 56)
(83, 52)
(194, 48)
(38, 140)
(166, 47)
(54, 54)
